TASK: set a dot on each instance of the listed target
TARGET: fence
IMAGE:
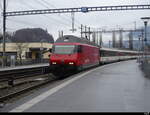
(24, 62)
(145, 66)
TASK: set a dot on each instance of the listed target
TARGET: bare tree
(1, 37)
(20, 47)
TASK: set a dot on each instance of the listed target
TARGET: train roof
(118, 50)
(74, 39)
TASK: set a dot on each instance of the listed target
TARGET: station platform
(118, 87)
(24, 67)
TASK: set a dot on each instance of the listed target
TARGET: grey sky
(55, 22)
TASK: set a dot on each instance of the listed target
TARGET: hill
(32, 35)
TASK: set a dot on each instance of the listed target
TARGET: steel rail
(22, 91)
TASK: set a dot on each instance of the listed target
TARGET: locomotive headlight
(71, 63)
(54, 63)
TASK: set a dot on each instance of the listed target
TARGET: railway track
(11, 75)
(13, 82)
(17, 90)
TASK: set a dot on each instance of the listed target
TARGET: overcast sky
(56, 22)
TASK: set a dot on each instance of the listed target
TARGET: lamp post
(140, 47)
(145, 20)
(4, 34)
(41, 50)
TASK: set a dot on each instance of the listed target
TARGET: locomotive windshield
(64, 49)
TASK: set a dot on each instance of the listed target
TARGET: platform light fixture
(145, 20)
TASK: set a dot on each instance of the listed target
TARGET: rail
(19, 89)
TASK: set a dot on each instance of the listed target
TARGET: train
(71, 54)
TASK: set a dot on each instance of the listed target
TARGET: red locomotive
(73, 53)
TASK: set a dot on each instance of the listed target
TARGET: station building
(27, 50)
(28, 44)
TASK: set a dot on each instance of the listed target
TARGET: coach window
(102, 53)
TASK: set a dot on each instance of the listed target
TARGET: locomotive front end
(64, 57)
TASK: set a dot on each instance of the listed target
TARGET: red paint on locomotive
(83, 56)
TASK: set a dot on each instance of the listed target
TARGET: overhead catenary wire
(55, 20)
(1, 6)
(27, 22)
(7, 4)
(22, 22)
(47, 3)
(76, 2)
(11, 28)
(41, 3)
(1, 17)
(51, 18)
(31, 24)
(81, 2)
(28, 5)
